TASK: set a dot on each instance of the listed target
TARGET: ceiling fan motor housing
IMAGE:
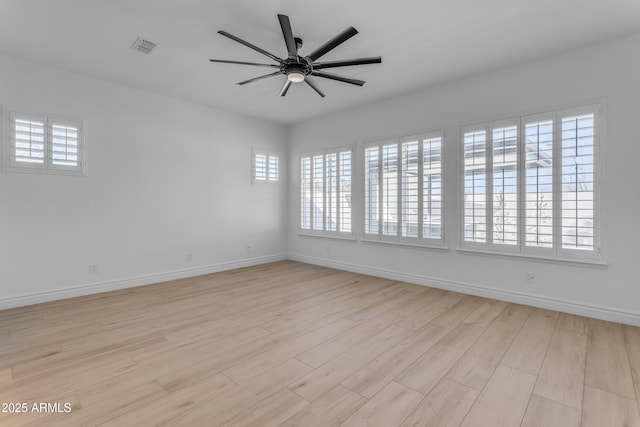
(299, 65)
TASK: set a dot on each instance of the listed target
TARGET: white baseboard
(94, 288)
(579, 308)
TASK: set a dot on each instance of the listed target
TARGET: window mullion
(521, 168)
(48, 144)
(324, 192)
(556, 148)
(338, 202)
(420, 189)
(311, 193)
(399, 170)
(489, 185)
(380, 192)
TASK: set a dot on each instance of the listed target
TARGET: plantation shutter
(260, 167)
(475, 186)
(539, 164)
(27, 138)
(305, 193)
(432, 188)
(578, 182)
(403, 190)
(274, 168)
(504, 163)
(65, 145)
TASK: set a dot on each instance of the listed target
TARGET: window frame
(556, 251)
(48, 166)
(419, 240)
(324, 232)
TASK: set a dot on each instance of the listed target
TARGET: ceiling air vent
(143, 46)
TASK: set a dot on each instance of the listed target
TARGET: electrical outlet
(188, 258)
(529, 278)
(248, 248)
(93, 269)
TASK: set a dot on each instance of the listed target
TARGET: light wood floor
(288, 344)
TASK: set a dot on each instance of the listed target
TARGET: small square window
(266, 167)
(43, 144)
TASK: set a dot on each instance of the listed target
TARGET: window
(530, 184)
(325, 193)
(403, 190)
(36, 143)
(266, 167)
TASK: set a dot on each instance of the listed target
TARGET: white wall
(607, 71)
(165, 178)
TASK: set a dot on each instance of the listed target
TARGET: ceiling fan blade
(333, 43)
(347, 62)
(338, 78)
(260, 78)
(224, 61)
(285, 87)
(315, 87)
(292, 48)
(249, 45)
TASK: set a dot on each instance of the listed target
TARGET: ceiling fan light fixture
(295, 75)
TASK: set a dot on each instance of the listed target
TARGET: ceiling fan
(298, 68)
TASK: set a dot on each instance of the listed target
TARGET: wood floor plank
(270, 412)
(561, 376)
(432, 366)
(515, 314)
(188, 368)
(607, 360)
(27, 354)
(530, 346)
(62, 360)
(331, 410)
(572, 323)
(176, 405)
(237, 400)
(5, 375)
(486, 313)
(109, 399)
(457, 312)
(329, 375)
(65, 382)
(543, 412)
(476, 367)
(334, 347)
(386, 304)
(408, 307)
(372, 378)
(246, 370)
(386, 409)
(436, 306)
(445, 406)
(602, 408)
(632, 340)
(504, 401)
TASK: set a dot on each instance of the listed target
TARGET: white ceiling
(422, 43)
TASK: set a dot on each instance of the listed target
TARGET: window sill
(350, 238)
(43, 171)
(407, 244)
(586, 262)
